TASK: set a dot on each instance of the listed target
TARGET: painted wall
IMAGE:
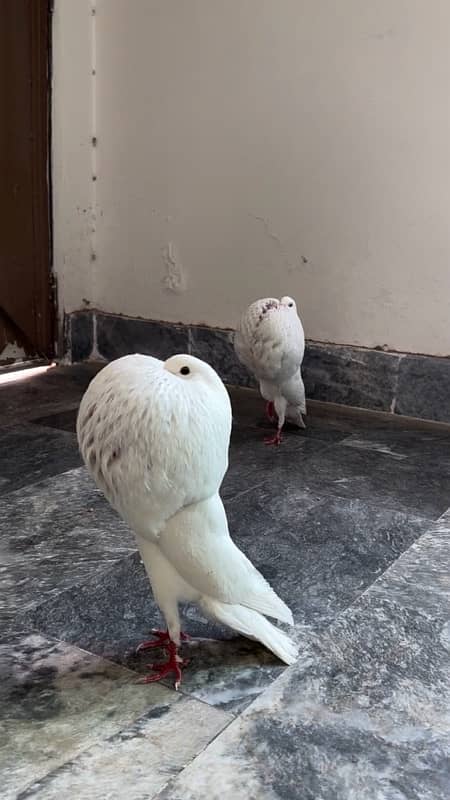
(261, 147)
(72, 151)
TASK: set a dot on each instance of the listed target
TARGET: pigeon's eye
(184, 371)
(290, 305)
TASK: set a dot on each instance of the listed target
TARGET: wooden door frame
(36, 334)
(44, 288)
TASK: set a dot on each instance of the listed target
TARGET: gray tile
(108, 617)
(432, 449)
(414, 485)
(55, 534)
(420, 579)
(57, 389)
(321, 558)
(252, 462)
(118, 336)
(216, 348)
(56, 701)
(140, 759)
(424, 388)
(62, 420)
(363, 714)
(81, 334)
(29, 453)
(349, 375)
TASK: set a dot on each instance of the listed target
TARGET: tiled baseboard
(410, 385)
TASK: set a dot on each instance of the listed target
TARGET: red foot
(162, 640)
(270, 411)
(173, 664)
(276, 440)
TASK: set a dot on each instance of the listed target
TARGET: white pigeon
(155, 435)
(270, 342)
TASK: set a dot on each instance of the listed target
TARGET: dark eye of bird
(290, 305)
(185, 370)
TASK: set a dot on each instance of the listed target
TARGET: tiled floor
(348, 522)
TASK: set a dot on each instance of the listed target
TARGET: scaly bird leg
(173, 664)
(276, 440)
(162, 640)
(270, 411)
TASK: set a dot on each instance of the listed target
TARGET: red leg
(270, 411)
(162, 640)
(276, 440)
(173, 664)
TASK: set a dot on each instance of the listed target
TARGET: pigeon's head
(288, 302)
(194, 371)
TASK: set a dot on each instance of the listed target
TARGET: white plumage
(270, 342)
(154, 436)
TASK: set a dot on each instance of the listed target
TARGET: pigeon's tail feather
(254, 626)
(268, 603)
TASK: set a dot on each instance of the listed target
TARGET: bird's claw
(173, 664)
(276, 440)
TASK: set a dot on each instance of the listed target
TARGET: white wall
(267, 147)
(72, 153)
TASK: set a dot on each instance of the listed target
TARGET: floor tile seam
(373, 589)
(170, 778)
(327, 631)
(24, 792)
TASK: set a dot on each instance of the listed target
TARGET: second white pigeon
(155, 435)
(270, 342)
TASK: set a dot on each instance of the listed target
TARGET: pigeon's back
(270, 340)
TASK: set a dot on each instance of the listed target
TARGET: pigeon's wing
(293, 390)
(148, 460)
(197, 543)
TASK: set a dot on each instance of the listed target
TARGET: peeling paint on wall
(175, 279)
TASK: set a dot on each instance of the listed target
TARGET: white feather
(270, 342)
(154, 436)
(197, 543)
(253, 625)
(154, 440)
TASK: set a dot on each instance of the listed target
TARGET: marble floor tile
(364, 714)
(29, 453)
(320, 558)
(60, 387)
(62, 420)
(420, 578)
(137, 761)
(56, 701)
(251, 462)
(412, 486)
(427, 448)
(56, 534)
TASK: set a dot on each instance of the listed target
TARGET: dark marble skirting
(410, 385)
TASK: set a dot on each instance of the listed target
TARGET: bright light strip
(24, 374)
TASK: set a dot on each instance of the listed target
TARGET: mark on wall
(175, 279)
(291, 264)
